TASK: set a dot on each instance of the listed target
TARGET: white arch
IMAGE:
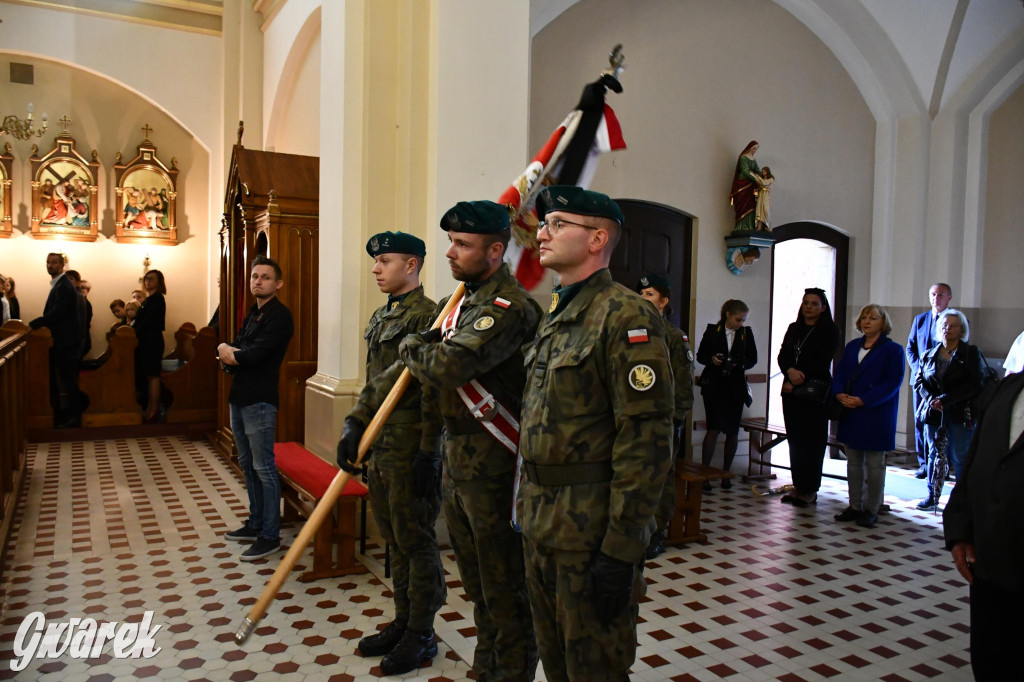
(277, 97)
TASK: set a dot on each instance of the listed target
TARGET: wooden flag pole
(324, 507)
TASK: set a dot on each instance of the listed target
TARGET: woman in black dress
(727, 350)
(149, 328)
(806, 360)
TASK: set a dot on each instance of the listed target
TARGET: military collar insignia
(554, 302)
(642, 377)
(394, 305)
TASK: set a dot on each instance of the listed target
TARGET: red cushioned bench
(304, 480)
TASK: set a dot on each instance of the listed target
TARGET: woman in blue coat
(867, 384)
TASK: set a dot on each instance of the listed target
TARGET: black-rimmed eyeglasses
(555, 225)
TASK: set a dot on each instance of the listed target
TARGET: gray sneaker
(263, 547)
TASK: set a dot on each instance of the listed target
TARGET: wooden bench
(690, 478)
(193, 385)
(304, 480)
(111, 386)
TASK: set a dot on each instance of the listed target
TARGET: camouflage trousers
(490, 559)
(667, 505)
(573, 643)
(406, 523)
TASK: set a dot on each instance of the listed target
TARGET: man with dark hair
(475, 362)
(596, 445)
(921, 340)
(404, 472)
(61, 316)
(254, 358)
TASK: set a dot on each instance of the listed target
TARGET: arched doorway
(806, 254)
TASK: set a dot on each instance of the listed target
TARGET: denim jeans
(254, 427)
(865, 474)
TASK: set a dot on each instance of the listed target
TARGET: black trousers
(64, 395)
(807, 433)
(997, 629)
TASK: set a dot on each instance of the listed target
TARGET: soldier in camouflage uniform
(596, 444)
(658, 289)
(403, 473)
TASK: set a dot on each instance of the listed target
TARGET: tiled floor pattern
(777, 594)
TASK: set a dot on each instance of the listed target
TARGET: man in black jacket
(984, 529)
(254, 358)
(60, 316)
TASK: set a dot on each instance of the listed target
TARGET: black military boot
(656, 545)
(384, 641)
(415, 647)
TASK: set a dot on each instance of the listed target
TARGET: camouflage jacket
(417, 406)
(496, 320)
(599, 396)
(682, 369)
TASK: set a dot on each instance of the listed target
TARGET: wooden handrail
(13, 445)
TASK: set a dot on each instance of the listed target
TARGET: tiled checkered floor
(112, 529)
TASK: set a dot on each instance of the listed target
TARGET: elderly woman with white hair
(950, 375)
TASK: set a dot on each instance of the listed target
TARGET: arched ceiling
(908, 57)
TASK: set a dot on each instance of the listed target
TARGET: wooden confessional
(271, 208)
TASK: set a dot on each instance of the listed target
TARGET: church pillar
(422, 105)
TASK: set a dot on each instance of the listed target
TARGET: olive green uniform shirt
(600, 389)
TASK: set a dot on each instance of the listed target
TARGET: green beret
(579, 201)
(476, 217)
(396, 242)
(652, 280)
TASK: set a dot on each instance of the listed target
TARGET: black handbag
(812, 391)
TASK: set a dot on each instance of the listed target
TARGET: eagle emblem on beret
(374, 244)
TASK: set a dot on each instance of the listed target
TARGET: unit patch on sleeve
(483, 323)
(642, 377)
(637, 335)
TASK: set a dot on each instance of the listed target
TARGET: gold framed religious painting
(147, 197)
(6, 163)
(64, 190)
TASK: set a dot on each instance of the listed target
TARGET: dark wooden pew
(110, 388)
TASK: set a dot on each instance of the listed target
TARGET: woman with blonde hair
(867, 384)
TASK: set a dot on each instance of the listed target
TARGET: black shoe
(726, 483)
(788, 499)
(922, 472)
(867, 519)
(384, 641)
(848, 514)
(706, 487)
(414, 648)
(243, 534)
(928, 504)
(656, 545)
(263, 547)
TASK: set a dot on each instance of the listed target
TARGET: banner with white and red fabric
(568, 158)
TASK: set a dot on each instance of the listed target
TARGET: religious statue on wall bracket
(64, 191)
(147, 195)
(6, 163)
(750, 199)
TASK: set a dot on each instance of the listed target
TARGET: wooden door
(656, 239)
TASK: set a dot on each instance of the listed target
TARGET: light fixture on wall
(22, 129)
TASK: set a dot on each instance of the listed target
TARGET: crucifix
(65, 123)
(146, 130)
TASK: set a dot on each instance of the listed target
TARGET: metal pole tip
(244, 630)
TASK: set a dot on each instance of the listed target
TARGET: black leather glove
(431, 335)
(348, 446)
(611, 586)
(426, 467)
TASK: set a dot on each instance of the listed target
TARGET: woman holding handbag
(727, 350)
(805, 359)
(867, 385)
(951, 374)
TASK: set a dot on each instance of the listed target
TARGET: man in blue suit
(922, 339)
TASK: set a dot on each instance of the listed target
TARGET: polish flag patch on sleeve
(637, 335)
(502, 302)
